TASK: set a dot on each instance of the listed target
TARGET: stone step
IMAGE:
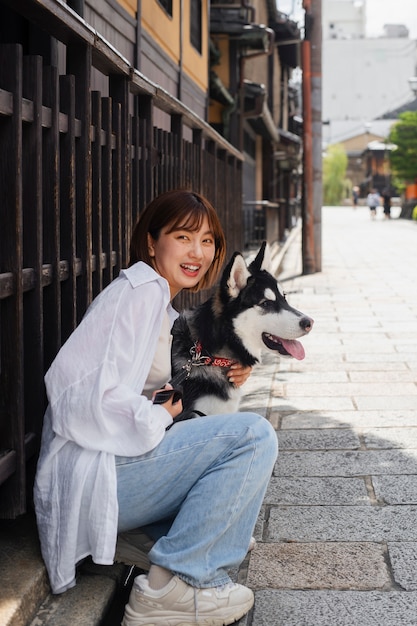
(86, 604)
(25, 598)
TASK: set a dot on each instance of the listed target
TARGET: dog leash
(197, 359)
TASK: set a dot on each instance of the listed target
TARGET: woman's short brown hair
(178, 208)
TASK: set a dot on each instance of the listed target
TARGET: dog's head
(253, 302)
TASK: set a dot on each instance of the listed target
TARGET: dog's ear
(238, 275)
(262, 260)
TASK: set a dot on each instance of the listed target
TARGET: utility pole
(312, 138)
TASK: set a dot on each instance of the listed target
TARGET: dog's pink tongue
(294, 347)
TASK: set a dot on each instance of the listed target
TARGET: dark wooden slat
(117, 187)
(7, 284)
(6, 102)
(143, 181)
(33, 249)
(169, 148)
(177, 130)
(67, 207)
(96, 192)
(158, 179)
(198, 149)
(107, 191)
(29, 277)
(162, 161)
(28, 115)
(9, 459)
(135, 170)
(51, 217)
(146, 110)
(8, 465)
(12, 494)
(119, 91)
(79, 64)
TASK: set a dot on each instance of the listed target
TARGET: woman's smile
(190, 269)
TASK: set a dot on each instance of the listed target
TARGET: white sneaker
(179, 604)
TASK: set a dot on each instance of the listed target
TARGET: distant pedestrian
(355, 196)
(373, 201)
(386, 198)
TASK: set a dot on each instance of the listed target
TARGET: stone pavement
(337, 535)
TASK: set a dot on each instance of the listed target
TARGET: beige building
(362, 77)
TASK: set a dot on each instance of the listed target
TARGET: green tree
(334, 175)
(403, 158)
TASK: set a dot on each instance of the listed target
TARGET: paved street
(337, 536)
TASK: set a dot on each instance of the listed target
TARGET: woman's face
(183, 256)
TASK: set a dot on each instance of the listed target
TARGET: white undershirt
(160, 371)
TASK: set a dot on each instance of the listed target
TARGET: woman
(109, 465)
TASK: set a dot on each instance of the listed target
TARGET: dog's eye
(266, 304)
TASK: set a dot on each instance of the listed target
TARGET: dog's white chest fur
(212, 405)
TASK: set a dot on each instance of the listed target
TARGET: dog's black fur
(247, 313)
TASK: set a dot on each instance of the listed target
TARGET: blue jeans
(208, 478)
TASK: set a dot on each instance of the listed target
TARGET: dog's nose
(306, 323)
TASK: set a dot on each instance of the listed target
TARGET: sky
(379, 12)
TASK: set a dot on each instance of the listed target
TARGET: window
(195, 24)
(167, 5)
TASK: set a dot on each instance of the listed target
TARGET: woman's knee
(263, 434)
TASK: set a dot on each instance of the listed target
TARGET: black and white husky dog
(247, 313)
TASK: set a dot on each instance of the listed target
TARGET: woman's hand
(238, 374)
(172, 405)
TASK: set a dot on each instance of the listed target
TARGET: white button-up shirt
(96, 411)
